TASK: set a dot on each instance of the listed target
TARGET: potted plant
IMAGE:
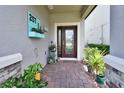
(52, 53)
(37, 30)
(85, 66)
(88, 52)
(98, 66)
(34, 29)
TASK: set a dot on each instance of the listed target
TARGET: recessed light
(50, 7)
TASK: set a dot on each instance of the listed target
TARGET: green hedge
(101, 47)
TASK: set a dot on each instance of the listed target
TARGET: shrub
(101, 47)
(27, 79)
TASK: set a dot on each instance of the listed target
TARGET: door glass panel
(69, 39)
(59, 42)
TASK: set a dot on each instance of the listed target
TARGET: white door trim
(78, 35)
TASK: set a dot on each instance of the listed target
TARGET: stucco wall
(96, 23)
(13, 33)
(61, 18)
(117, 30)
(82, 38)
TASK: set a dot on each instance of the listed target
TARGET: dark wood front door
(67, 41)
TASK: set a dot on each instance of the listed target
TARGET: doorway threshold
(73, 59)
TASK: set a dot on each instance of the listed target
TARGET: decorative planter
(51, 58)
(85, 68)
(100, 79)
(89, 69)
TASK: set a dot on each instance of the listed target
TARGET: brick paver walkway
(66, 74)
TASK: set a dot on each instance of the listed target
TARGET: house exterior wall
(13, 34)
(82, 38)
(115, 61)
(117, 31)
(96, 23)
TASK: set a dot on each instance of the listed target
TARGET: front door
(67, 41)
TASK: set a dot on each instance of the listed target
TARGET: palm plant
(96, 62)
(89, 52)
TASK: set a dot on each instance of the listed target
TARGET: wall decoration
(35, 29)
(45, 29)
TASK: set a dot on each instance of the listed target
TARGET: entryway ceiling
(64, 8)
(82, 10)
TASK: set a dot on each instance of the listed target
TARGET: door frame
(78, 37)
(63, 35)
